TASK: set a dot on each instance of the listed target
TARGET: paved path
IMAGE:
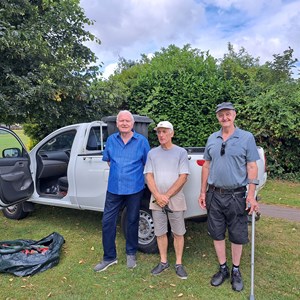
(281, 212)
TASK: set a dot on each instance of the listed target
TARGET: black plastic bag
(28, 257)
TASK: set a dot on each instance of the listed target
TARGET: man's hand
(202, 201)
(161, 200)
(252, 205)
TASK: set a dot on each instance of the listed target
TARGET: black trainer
(220, 277)
(160, 268)
(236, 280)
(180, 271)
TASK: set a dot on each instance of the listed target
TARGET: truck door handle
(87, 157)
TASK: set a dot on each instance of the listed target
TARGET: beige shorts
(176, 220)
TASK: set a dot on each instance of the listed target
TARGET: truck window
(60, 142)
(94, 139)
(9, 145)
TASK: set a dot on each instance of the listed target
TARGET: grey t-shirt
(166, 166)
(230, 170)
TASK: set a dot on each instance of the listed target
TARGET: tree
(45, 66)
(282, 66)
(182, 86)
(267, 97)
(274, 119)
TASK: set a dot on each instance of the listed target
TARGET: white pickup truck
(66, 169)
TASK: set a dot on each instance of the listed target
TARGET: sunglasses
(222, 151)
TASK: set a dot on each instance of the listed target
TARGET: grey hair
(125, 111)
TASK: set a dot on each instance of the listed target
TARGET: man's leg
(236, 252)
(220, 249)
(109, 225)
(236, 277)
(223, 273)
(216, 225)
(178, 246)
(133, 216)
(162, 243)
(238, 235)
(178, 228)
(161, 229)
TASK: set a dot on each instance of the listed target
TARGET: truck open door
(16, 184)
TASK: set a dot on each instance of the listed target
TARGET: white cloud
(272, 34)
(129, 28)
(109, 70)
(122, 24)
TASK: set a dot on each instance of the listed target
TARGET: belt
(213, 188)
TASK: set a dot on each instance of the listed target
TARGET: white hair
(125, 111)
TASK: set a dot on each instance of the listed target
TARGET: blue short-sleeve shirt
(230, 170)
(126, 163)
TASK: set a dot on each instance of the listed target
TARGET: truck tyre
(15, 212)
(147, 238)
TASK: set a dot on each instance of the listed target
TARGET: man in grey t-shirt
(166, 172)
(230, 165)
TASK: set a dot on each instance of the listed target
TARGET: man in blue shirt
(230, 165)
(126, 153)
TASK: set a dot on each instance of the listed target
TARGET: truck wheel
(15, 212)
(147, 238)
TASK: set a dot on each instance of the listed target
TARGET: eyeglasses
(222, 152)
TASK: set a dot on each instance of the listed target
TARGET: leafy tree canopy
(183, 85)
(43, 61)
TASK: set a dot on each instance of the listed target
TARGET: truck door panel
(16, 182)
(91, 173)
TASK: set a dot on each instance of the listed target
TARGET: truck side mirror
(11, 152)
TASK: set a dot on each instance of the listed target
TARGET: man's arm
(204, 178)
(177, 185)
(252, 172)
(161, 199)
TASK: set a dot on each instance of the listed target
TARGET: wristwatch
(253, 181)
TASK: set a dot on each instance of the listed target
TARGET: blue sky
(129, 28)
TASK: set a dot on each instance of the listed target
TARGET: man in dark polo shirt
(230, 165)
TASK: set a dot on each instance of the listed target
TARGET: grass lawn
(277, 263)
(25, 139)
(281, 192)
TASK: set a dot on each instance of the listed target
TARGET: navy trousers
(113, 203)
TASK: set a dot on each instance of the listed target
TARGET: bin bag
(28, 257)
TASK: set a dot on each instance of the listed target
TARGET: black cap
(224, 105)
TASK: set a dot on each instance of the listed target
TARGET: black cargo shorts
(227, 211)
